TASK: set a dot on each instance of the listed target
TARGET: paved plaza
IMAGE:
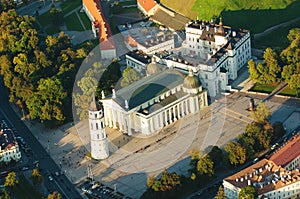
(134, 158)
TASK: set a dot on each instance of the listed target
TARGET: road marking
(60, 188)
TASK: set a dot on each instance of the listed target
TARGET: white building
(99, 144)
(149, 40)
(9, 148)
(153, 102)
(138, 60)
(214, 52)
(270, 181)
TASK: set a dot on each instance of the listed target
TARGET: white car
(50, 178)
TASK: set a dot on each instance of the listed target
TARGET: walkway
(267, 31)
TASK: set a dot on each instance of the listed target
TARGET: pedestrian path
(269, 30)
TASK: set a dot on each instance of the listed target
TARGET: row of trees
(12, 182)
(39, 72)
(164, 187)
(257, 137)
(278, 66)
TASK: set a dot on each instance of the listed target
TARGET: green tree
(253, 72)
(129, 76)
(221, 193)
(248, 192)
(54, 195)
(4, 195)
(11, 180)
(36, 177)
(205, 166)
(216, 155)
(271, 60)
(6, 5)
(293, 34)
(57, 16)
(236, 153)
(262, 113)
(169, 181)
(294, 82)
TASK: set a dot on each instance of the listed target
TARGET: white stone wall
(10, 154)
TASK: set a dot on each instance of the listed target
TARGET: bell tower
(99, 143)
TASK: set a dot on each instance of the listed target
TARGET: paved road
(46, 164)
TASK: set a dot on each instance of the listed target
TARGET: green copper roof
(147, 88)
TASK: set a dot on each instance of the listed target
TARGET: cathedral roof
(191, 81)
(153, 67)
(94, 106)
(148, 88)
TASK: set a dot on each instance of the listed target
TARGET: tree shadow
(257, 20)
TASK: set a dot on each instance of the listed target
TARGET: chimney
(207, 27)
(233, 33)
(102, 94)
(249, 182)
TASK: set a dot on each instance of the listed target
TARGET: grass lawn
(289, 92)
(85, 20)
(183, 7)
(46, 24)
(70, 5)
(72, 22)
(44, 19)
(276, 39)
(255, 15)
(263, 88)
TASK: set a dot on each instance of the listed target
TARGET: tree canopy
(236, 153)
(54, 195)
(36, 177)
(278, 66)
(248, 192)
(39, 72)
(11, 180)
(261, 114)
(130, 75)
(166, 182)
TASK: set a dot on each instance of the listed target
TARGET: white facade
(138, 60)
(9, 148)
(269, 180)
(148, 111)
(99, 144)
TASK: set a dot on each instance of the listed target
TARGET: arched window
(96, 126)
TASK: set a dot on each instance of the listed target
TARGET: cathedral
(153, 102)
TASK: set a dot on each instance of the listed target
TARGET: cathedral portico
(153, 102)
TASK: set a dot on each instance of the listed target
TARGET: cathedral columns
(114, 119)
(182, 109)
(170, 115)
(161, 119)
(166, 118)
(174, 112)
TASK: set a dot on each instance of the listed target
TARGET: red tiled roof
(287, 153)
(265, 176)
(100, 22)
(107, 44)
(147, 4)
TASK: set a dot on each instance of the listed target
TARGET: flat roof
(140, 56)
